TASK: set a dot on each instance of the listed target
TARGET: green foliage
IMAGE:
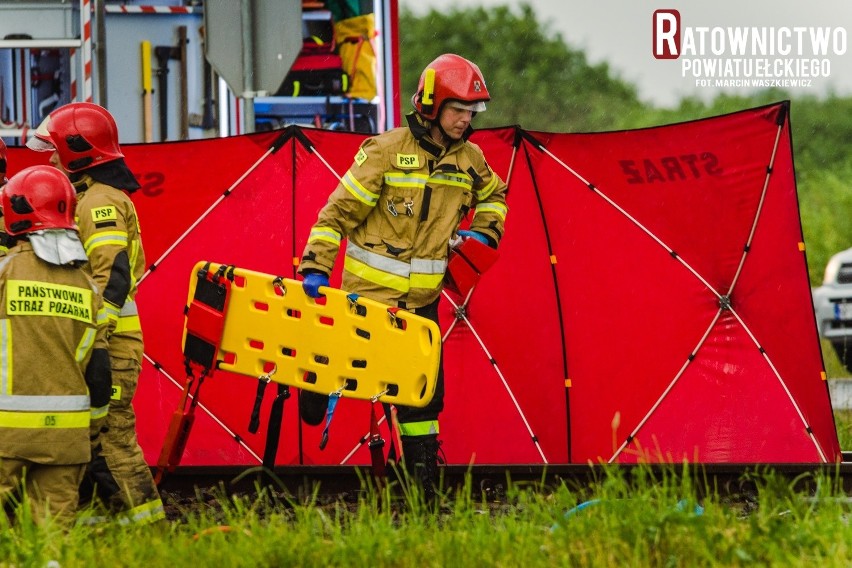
(534, 78)
(540, 82)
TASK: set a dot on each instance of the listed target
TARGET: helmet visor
(477, 106)
(40, 140)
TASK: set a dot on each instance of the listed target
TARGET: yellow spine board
(272, 327)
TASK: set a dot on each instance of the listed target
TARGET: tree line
(539, 81)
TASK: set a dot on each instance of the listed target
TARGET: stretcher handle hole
(362, 333)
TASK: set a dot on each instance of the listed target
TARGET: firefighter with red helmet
(54, 365)
(84, 141)
(399, 206)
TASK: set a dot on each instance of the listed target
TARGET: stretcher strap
(332, 404)
(254, 421)
(205, 316)
(179, 428)
(377, 443)
(273, 431)
(205, 321)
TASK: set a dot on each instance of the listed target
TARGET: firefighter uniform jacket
(109, 229)
(51, 317)
(399, 205)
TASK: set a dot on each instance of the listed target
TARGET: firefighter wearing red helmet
(54, 365)
(84, 141)
(399, 206)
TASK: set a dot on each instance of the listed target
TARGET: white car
(833, 304)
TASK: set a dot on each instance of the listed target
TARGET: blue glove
(474, 235)
(312, 283)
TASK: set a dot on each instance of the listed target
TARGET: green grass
(834, 369)
(639, 517)
(843, 421)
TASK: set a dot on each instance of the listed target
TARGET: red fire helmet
(450, 77)
(38, 198)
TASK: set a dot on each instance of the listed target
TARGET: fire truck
(180, 70)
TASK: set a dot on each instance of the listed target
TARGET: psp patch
(105, 213)
(407, 161)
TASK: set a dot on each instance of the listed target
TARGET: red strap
(205, 317)
(179, 428)
(377, 444)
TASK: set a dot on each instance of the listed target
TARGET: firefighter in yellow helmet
(400, 206)
(4, 238)
(84, 141)
(54, 366)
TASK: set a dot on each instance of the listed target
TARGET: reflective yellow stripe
(101, 318)
(85, 344)
(400, 179)
(104, 238)
(430, 281)
(99, 412)
(392, 273)
(361, 270)
(483, 193)
(498, 209)
(60, 420)
(377, 261)
(354, 187)
(149, 512)
(419, 428)
(324, 234)
(134, 256)
(49, 403)
(125, 324)
(111, 310)
(5, 357)
(457, 180)
(428, 266)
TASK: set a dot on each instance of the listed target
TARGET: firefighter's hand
(312, 282)
(474, 235)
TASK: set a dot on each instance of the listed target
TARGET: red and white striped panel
(153, 9)
(85, 52)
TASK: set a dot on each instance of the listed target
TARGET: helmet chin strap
(445, 139)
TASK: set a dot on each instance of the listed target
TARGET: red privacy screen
(650, 302)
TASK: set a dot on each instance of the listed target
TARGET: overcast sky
(621, 33)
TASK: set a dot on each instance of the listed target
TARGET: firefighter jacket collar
(420, 130)
(58, 246)
(81, 182)
(115, 174)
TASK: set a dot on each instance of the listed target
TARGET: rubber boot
(420, 454)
